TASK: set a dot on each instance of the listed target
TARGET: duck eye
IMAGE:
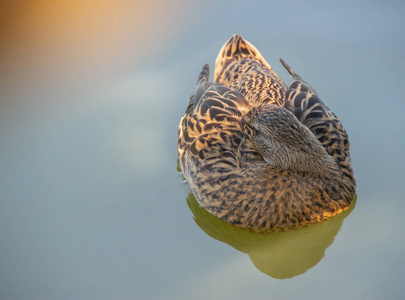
(251, 129)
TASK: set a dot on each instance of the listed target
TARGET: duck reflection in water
(278, 254)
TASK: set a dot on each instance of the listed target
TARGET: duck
(259, 154)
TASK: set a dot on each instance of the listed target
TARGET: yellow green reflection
(279, 254)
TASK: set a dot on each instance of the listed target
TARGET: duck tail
(237, 48)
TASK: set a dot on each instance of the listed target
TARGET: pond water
(92, 205)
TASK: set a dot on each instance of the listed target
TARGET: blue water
(91, 203)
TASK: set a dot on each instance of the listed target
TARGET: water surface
(91, 203)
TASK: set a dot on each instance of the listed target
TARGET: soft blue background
(91, 204)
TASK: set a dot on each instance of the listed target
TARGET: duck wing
(310, 110)
(210, 133)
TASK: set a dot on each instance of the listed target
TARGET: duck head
(283, 141)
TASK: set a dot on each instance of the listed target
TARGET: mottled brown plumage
(260, 155)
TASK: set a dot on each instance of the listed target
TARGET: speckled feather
(242, 68)
(222, 165)
(304, 103)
